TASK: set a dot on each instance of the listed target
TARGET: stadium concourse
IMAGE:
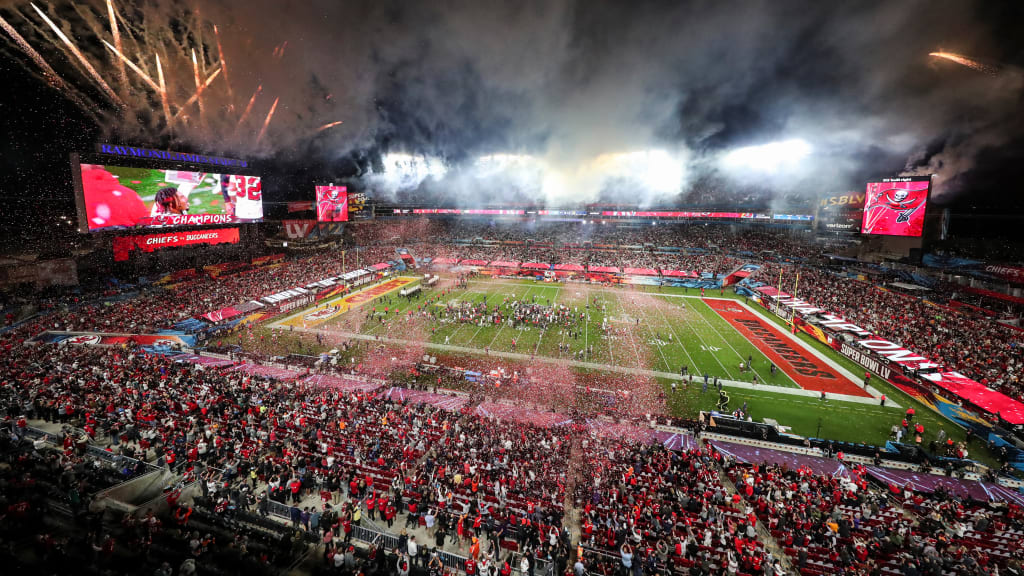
(139, 447)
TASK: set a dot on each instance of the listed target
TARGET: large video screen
(841, 212)
(119, 197)
(358, 207)
(332, 203)
(895, 207)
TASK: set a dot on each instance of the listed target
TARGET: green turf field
(623, 327)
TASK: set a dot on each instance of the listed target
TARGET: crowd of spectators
(251, 442)
(495, 490)
(498, 490)
(961, 340)
(975, 345)
(831, 524)
(195, 294)
(592, 234)
(647, 506)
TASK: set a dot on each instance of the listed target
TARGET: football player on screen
(246, 195)
(169, 201)
(109, 204)
(229, 199)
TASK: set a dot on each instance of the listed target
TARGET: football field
(622, 327)
(644, 333)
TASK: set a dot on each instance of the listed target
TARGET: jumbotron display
(896, 207)
(121, 197)
(332, 204)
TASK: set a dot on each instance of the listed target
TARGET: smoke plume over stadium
(572, 101)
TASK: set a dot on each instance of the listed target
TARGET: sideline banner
(1013, 274)
(888, 359)
(101, 339)
(268, 259)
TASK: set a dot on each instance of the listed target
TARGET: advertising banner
(649, 214)
(298, 229)
(123, 245)
(841, 212)
(888, 359)
(101, 339)
(358, 209)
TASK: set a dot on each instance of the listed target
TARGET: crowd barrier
(389, 542)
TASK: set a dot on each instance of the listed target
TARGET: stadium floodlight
(498, 162)
(657, 170)
(414, 166)
(664, 173)
(408, 171)
(770, 157)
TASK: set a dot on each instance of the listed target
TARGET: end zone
(334, 307)
(806, 369)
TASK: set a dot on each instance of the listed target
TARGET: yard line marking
(758, 389)
(704, 343)
(632, 341)
(502, 326)
(676, 336)
(479, 328)
(554, 302)
(668, 367)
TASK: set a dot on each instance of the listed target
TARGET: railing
(109, 458)
(383, 539)
(662, 568)
(388, 542)
(275, 508)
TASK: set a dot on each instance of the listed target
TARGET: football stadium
(512, 288)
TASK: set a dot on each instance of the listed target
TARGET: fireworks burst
(968, 62)
(81, 58)
(329, 125)
(224, 67)
(266, 122)
(49, 75)
(153, 82)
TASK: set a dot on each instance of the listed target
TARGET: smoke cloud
(590, 100)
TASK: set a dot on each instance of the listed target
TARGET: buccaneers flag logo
(898, 201)
(895, 210)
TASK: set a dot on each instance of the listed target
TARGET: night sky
(566, 84)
